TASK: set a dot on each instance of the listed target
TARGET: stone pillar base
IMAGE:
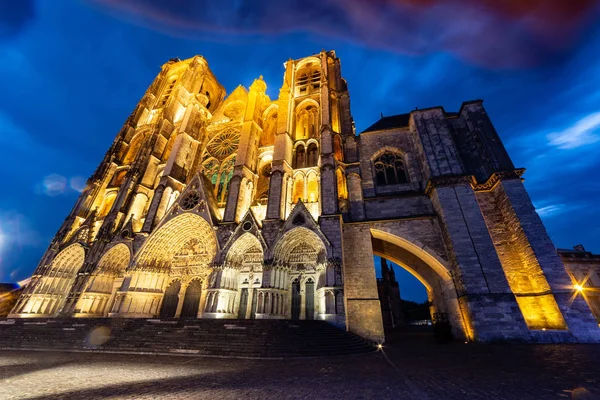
(363, 317)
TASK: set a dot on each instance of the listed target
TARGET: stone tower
(239, 206)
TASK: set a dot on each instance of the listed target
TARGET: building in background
(584, 269)
(389, 295)
(210, 205)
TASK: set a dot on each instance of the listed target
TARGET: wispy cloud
(551, 210)
(585, 131)
(487, 32)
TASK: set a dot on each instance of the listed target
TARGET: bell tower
(314, 119)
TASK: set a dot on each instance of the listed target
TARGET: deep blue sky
(72, 71)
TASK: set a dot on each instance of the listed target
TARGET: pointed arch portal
(429, 270)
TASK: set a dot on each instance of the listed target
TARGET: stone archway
(97, 298)
(302, 257)
(430, 271)
(46, 295)
(244, 261)
(181, 249)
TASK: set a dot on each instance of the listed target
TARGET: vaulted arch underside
(101, 288)
(47, 293)
(182, 249)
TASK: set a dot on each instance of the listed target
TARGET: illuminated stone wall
(583, 268)
(215, 205)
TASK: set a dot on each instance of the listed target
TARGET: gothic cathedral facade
(239, 206)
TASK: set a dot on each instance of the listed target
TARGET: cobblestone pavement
(453, 371)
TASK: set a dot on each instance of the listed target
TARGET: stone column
(109, 304)
(149, 221)
(491, 304)
(363, 309)
(181, 299)
(275, 195)
(575, 310)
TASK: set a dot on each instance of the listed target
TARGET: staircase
(208, 337)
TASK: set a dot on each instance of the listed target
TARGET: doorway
(296, 299)
(310, 299)
(191, 301)
(170, 301)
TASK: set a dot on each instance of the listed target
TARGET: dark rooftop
(396, 121)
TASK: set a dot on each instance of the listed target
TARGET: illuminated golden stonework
(242, 206)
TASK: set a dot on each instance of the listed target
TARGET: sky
(72, 71)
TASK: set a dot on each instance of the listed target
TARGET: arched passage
(183, 249)
(301, 257)
(103, 284)
(234, 283)
(47, 295)
(430, 271)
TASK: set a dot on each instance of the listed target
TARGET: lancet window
(312, 155)
(167, 92)
(307, 122)
(338, 152)
(389, 169)
(219, 160)
(262, 187)
(269, 128)
(308, 79)
(300, 157)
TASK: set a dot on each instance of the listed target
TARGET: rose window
(190, 200)
(224, 144)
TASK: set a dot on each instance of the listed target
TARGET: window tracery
(300, 157)
(224, 144)
(308, 79)
(389, 169)
(307, 122)
(312, 155)
(219, 160)
(191, 200)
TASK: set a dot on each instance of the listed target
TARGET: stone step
(242, 338)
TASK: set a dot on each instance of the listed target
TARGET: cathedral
(239, 206)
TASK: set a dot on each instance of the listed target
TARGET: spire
(392, 275)
(384, 269)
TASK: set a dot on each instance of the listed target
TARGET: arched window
(313, 188)
(341, 184)
(262, 187)
(219, 160)
(167, 92)
(308, 78)
(338, 153)
(300, 157)
(226, 173)
(269, 127)
(307, 121)
(118, 178)
(107, 203)
(298, 192)
(313, 155)
(389, 169)
(133, 148)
